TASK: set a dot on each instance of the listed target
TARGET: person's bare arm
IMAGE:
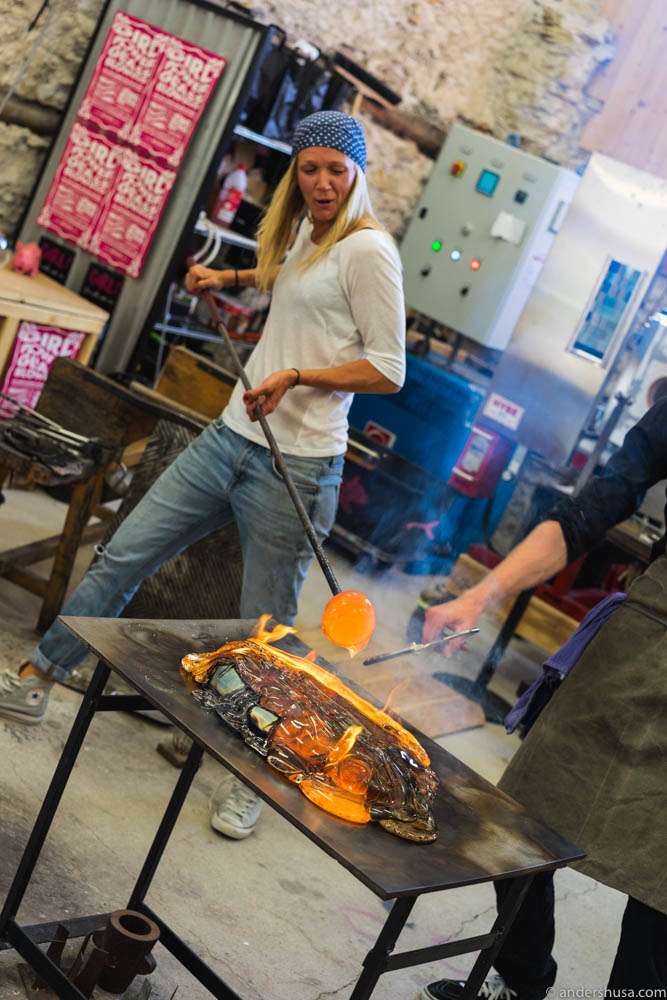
(355, 376)
(200, 278)
(536, 559)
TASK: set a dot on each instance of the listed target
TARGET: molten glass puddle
(347, 756)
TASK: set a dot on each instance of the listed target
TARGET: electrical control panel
(480, 234)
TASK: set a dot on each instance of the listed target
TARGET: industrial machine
(572, 347)
(593, 328)
(480, 234)
(472, 252)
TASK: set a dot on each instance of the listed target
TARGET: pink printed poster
(85, 177)
(35, 349)
(149, 88)
(136, 119)
(132, 211)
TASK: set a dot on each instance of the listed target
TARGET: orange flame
(391, 697)
(343, 747)
(343, 786)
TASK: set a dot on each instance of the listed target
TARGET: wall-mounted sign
(102, 286)
(149, 88)
(503, 411)
(56, 259)
(35, 349)
(106, 198)
(135, 122)
(132, 210)
(85, 177)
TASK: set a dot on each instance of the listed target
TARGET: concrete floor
(273, 914)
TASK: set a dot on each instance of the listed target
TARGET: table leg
(52, 798)
(166, 827)
(375, 962)
(85, 497)
(503, 922)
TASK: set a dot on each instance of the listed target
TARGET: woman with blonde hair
(336, 326)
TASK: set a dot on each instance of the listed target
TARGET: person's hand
(199, 278)
(452, 616)
(269, 393)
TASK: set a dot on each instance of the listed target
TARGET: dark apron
(594, 765)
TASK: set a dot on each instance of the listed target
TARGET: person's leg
(525, 961)
(276, 550)
(276, 557)
(641, 958)
(525, 966)
(189, 500)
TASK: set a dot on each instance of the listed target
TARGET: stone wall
(51, 54)
(517, 66)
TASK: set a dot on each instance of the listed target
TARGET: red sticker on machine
(379, 434)
(503, 411)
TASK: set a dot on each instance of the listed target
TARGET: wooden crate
(195, 382)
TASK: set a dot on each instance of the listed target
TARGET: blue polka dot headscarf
(333, 130)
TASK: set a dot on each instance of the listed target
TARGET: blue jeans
(220, 476)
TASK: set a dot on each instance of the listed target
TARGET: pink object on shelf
(26, 259)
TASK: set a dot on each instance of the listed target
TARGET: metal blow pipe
(275, 450)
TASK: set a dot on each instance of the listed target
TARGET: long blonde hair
(286, 210)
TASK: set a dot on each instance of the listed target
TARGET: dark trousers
(525, 961)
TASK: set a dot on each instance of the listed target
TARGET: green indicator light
(436, 246)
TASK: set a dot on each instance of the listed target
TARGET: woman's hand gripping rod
(273, 445)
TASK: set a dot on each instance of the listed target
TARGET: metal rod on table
(273, 445)
(419, 647)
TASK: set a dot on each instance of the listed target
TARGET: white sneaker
(493, 988)
(235, 812)
(23, 699)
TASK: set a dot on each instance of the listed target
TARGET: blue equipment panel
(431, 416)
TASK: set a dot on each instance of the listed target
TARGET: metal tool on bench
(419, 647)
(40, 439)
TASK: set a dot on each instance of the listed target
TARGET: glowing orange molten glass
(349, 620)
(341, 786)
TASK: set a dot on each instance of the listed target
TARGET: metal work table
(484, 835)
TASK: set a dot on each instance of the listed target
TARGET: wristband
(298, 376)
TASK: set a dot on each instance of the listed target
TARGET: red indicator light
(475, 264)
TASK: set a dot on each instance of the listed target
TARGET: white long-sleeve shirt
(348, 306)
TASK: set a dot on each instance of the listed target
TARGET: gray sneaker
(23, 699)
(234, 813)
